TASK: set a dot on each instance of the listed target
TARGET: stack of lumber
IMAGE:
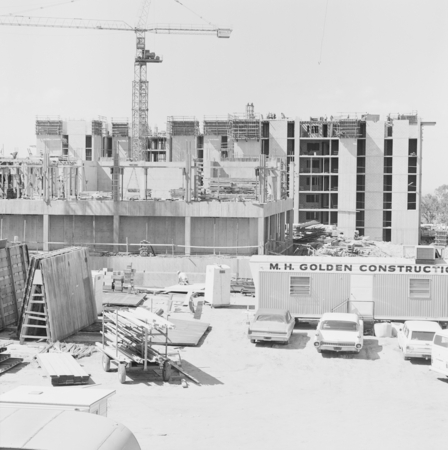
(308, 234)
(243, 285)
(59, 298)
(6, 362)
(63, 369)
(78, 351)
(233, 188)
(14, 261)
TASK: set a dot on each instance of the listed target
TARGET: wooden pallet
(63, 369)
(6, 362)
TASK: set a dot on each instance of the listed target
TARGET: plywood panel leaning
(60, 290)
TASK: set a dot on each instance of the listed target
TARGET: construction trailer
(375, 288)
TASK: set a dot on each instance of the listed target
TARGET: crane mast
(143, 56)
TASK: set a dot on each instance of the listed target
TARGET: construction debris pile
(231, 189)
(244, 286)
(78, 351)
(314, 239)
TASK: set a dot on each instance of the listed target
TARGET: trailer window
(300, 286)
(419, 288)
(441, 341)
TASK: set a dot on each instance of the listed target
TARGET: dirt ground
(268, 396)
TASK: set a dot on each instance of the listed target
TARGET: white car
(415, 338)
(271, 325)
(439, 355)
(339, 332)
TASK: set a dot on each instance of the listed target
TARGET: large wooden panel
(69, 292)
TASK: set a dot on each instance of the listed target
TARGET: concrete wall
(76, 130)
(179, 145)
(53, 144)
(221, 232)
(347, 186)
(157, 230)
(27, 228)
(243, 149)
(278, 132)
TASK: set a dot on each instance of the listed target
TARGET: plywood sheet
(119, 299)
(69, 292)
(185, 332)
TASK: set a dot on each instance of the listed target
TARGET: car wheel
(406, 358)
(252, 341)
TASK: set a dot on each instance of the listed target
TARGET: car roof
(423, 325)
(271, 311)
(55, 429)
(340, 316)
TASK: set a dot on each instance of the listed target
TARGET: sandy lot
(268, 396)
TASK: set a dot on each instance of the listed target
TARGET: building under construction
(232, 184)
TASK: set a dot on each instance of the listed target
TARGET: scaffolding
(120, 127)
(216, 126)
(48, 125)
(182, 126)
(347, 128)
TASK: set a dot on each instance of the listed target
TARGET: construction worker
(182, 277)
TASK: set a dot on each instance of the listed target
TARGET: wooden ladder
(35, 311)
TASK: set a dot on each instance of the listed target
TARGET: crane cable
(323, 34)
(195, 13)
(44, 7)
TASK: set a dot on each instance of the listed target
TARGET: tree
(441, 194)
(430, 208)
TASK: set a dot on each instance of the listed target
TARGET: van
(51, 429)
(439, 354)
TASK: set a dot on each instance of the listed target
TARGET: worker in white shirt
(182, 277)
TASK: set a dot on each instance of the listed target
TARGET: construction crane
(143, 56)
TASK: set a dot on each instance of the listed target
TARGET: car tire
(252, 341)
(406, 358)
(319, 350)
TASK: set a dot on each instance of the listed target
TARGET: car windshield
(423, 335)
(339, 325)
(270, 318)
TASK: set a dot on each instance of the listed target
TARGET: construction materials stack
(128, 278)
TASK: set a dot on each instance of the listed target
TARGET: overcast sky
(297, 57)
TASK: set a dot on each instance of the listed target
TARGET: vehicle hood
(336, 335)
(272, 327)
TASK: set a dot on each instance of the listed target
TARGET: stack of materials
(14, 261)
(243, 285)
(118, 279)
(146, 249)
(128, 277)
(108, 279)
(233, 188)
(62, 369)
(6, 362)
(309, 232)
(59, 298)
(127, 339)
(95, 195)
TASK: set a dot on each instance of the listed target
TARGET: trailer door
(361, 296)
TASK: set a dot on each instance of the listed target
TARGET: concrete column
(187, 235)
(116, 233)
(290, 219)
(282, 226)
(46, 232)
(261, 235)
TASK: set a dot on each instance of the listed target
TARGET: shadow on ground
(297, 341)
(370, 351)
(420, 361)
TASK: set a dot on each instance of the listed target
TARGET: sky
(301, 58)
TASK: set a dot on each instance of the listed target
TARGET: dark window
(412, 183)
(362, 129)
(88, 141)
(265, 130)
(389, 130)
(88, 154)
(291, 146)
(412, 201)
(359, 218)
(361, 147)
(387, 235)
(291, 129)
(412, 147)
(162, 144)
(360, 231)
(412, 164)
(387, 183)
(360, 182)
(361, 165)
(334, 147)
(316, 164)
(200, 142)
(223, 142)
(387, 219)
(387, 200)
(65, 145)
(388, 147)
(360, 200)
(325, 130)
(387, 165)
(265, 147)
(315, 129)
(312, 147)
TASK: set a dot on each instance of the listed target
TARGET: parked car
(339, 332)
(415, 338)
(439, 353)
(271, 325)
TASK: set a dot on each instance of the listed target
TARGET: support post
(116, 233)
(187, 235)
(282, 226)
(261, 235)
(46, 231)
